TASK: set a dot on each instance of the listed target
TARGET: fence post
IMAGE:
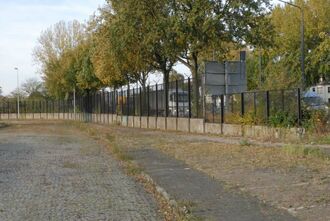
(104, 105)
(113, 101)
(58, 109)
(242, 105)
(24, 103)
(166, 98)
(46, 109)
(255, 103)
(299, 107)
(222, 111)
(100, 107)
(127, 100)
(133, 102)
(267, 105)
(8, 108)
(122, 101)
(148, 95)
(141, 102)
(156, 100)
(189, 96)
(63, 109)
(108, 106)
(177, 97)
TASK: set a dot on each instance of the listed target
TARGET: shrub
(282, 119)
(316, 121)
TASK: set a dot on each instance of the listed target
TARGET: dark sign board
(225, 77)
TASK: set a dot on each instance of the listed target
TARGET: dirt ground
(289, 178)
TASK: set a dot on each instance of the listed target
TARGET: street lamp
(16, 68)
(302, 46)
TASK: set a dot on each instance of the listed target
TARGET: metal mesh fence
(180, 98)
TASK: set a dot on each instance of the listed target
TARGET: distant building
(322, 89)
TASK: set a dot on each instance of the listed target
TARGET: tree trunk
(166, 78)
(194, 71)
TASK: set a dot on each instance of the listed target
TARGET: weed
(185, 211)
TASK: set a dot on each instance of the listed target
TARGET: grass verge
(305, 152)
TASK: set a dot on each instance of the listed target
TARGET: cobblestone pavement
(48, 172)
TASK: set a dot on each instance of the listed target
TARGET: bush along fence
(179, 105)
(275, 108)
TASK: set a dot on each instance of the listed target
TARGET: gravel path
(48, 172)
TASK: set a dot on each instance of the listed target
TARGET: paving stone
(62, 176)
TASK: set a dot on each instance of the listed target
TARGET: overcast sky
(21, 22)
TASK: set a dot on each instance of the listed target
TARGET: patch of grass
(185, 211)
(133, 170)
(110, 137)
(305, 152)
(124, 157)
(120, 154)
(245, 143)
(323, 140)
(70, 165)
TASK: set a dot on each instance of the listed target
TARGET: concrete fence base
(192, 125)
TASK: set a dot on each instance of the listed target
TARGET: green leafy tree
(284, 57)
(143, 37)
(320, 59)
(205, 24)
(85, 74)
(53, 53)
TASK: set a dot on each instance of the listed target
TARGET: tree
(103, 58)
(320, 59)
(285, 55)
(174, 75)
(84, 69)
(147, 22)
(33, 88)
(205, 24)
(16, 93)
(53, 54)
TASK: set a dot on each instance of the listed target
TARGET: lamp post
(302, 45)
(18, 113)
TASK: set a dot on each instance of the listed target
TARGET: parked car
(314, 102)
